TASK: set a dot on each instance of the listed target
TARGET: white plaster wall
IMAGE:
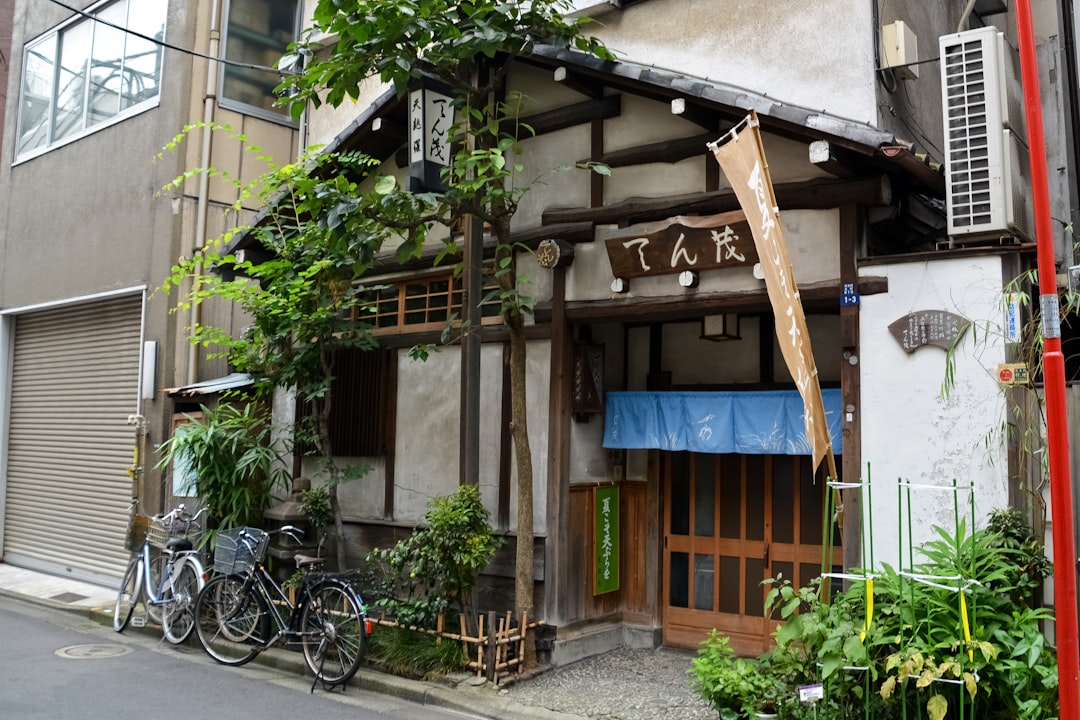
(792, 51)
(910, 431)
(428, 426)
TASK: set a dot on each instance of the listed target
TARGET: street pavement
(626, 684)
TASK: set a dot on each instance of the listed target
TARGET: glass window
(258, 32)
(85, 74)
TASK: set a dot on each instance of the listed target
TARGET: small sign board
(928, 327)
(606, 539)
(1013, 374)
(811, 693)
(681, 243)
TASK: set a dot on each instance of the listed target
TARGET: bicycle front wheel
(334, 634)
(178, 618)
(232, 622)
(128, 597)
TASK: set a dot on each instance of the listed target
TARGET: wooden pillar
(558, 470)
(851, 222)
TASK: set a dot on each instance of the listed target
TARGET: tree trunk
(523, 570)
(325, 450)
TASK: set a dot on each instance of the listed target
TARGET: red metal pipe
(1057, 428)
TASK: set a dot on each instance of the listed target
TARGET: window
(86, 75)
(258, 32)
(422, 304)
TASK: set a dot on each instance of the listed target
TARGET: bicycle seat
(307, 562)
(178, 545)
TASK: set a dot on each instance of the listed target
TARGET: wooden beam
(696, 114)
(872, 191)
(829, 158)
(589, 87)
(816, 297)
(666, 151)
(576, 114)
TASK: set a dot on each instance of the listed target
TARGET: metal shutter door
(74, 384)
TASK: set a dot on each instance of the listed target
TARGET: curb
(482, 701)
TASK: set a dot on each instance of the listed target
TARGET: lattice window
(420, 304)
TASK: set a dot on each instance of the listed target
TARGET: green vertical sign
(605, 539)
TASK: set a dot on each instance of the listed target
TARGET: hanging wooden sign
(606, 539)
(685, 242)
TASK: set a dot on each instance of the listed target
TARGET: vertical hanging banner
(605, 539)
(742, 158)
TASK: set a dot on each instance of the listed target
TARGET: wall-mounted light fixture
(720, 327)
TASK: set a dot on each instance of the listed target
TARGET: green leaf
(385, 184)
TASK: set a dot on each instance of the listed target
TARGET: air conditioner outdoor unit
(986, 157)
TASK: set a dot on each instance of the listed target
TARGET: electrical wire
(169, 46)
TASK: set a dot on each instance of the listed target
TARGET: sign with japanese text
(681, 243)
(606, 539)
(742, 158)
(431, 118)
(939, 328)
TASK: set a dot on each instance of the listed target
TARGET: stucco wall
(428, 423)
(910, 430)
(792, 51)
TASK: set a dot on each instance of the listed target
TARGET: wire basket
(239, 550)
(161, 530)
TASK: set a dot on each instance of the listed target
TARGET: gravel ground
(623, 684)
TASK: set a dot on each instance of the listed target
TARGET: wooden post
(491, 648)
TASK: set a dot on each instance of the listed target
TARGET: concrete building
(87, 235)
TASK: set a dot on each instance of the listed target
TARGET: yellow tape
(967, 626)
(869, 608)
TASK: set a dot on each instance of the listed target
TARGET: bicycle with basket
(242, 611)
(164, 574)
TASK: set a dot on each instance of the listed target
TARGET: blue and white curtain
(766, 422)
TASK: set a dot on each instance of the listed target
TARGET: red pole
(1057, 427)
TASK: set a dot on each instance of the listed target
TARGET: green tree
(466, 45)
(305, 302)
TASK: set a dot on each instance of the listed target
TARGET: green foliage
(238, 467)
(397, 40)
(318, 511)
(914, 646)
(414, 654)
(436, 568)
(735, 687)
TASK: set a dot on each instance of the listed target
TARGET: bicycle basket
(239, 550)
(161, 530)
(137, 531)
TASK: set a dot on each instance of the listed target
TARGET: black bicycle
(242, 611)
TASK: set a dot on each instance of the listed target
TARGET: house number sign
(681, 243)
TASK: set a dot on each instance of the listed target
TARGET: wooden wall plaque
(685, 242)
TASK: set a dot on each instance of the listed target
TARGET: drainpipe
(209, 102)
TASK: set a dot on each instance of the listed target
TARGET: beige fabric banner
(742, 158)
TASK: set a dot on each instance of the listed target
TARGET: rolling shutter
(74, 384)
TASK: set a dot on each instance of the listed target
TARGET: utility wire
(177, 48)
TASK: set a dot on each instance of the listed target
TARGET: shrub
(437, 567)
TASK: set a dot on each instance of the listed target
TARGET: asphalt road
(59, 666)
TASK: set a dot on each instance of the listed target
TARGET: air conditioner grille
(977, 90)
